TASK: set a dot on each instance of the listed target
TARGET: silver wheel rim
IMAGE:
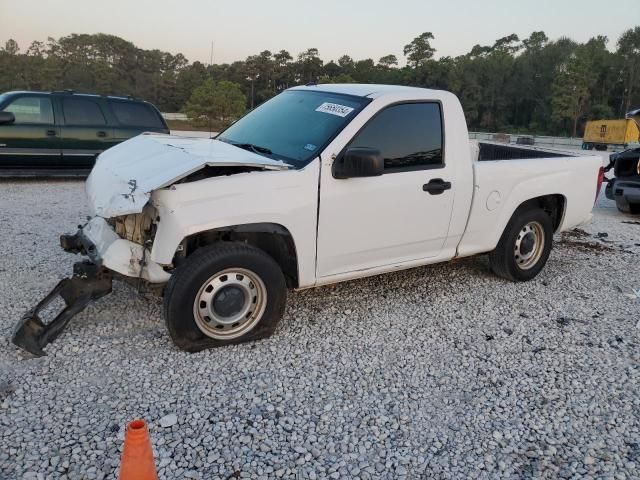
(529, 245)
(230, 303)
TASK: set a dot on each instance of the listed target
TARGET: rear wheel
(223, 294)
(524, 247)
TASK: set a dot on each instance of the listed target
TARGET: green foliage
(571, 91)
(388, 61)
(212, 101)
(532, 85)
(629, 50)
(419, 50)
(600, 111)
(341, 78)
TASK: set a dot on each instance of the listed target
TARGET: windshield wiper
(253, 148)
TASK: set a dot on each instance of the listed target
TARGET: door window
(136, 114)
(32, 110)
(409, 136)
(82, 111)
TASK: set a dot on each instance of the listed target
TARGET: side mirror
(359, 162)
(7, 117)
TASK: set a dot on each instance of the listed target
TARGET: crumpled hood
(124, 176)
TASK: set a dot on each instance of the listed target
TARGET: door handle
(51, 133)
(101, 134)
(436, 186)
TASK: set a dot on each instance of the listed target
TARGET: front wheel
(524, 247)
(222, 294)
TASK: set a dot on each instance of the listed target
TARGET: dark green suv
(61, 133)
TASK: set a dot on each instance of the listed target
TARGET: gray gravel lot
(438, 372)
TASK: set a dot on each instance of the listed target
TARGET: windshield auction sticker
(334, 109)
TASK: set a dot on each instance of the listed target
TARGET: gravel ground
(438, 372)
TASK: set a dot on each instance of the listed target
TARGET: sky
(359, 28)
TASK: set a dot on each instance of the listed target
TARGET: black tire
(626, 207)
(622, 205)
(190, 277)
(503, 258)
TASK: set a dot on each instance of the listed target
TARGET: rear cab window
(135, 114)
(408, 136)
(31, 110)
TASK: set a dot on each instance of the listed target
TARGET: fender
(284, 198)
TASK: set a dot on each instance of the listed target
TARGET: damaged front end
(119, 239)
(116, 250)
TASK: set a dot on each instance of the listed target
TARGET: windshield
(295, 125)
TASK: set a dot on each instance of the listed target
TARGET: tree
(252, 69)
(508, 45)
(629, 50)
(11, 47)
(282, 58)
(600, 111)
(388, 61)
(570, 91)
(419, 50)
(310, 65)
(535, 42)
(346, 63)
(210, 102)
(340, 78)
(536, 85)
(283, 75)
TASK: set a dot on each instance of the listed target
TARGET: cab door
(400, 216)
(32, 140)
(85, 133)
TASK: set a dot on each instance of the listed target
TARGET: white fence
(174, 116)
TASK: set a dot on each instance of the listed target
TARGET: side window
(31, 110)
(81, 111)
(408, 135)
(135, 114)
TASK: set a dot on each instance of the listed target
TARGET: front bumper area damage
(110, 257)
(88, 283)
(98, 240)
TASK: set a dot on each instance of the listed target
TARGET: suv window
(409, 136)
(135, 114)
(82, 111)
(31, 110)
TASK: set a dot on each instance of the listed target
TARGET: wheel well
(272, 238)
(553, 204)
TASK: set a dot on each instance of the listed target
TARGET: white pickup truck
(322, 183)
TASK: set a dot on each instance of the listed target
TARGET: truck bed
(497, 151)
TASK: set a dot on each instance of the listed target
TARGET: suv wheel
(223, 294)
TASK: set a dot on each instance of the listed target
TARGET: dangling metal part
(88, 283)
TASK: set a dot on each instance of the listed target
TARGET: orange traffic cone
(137, 457)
